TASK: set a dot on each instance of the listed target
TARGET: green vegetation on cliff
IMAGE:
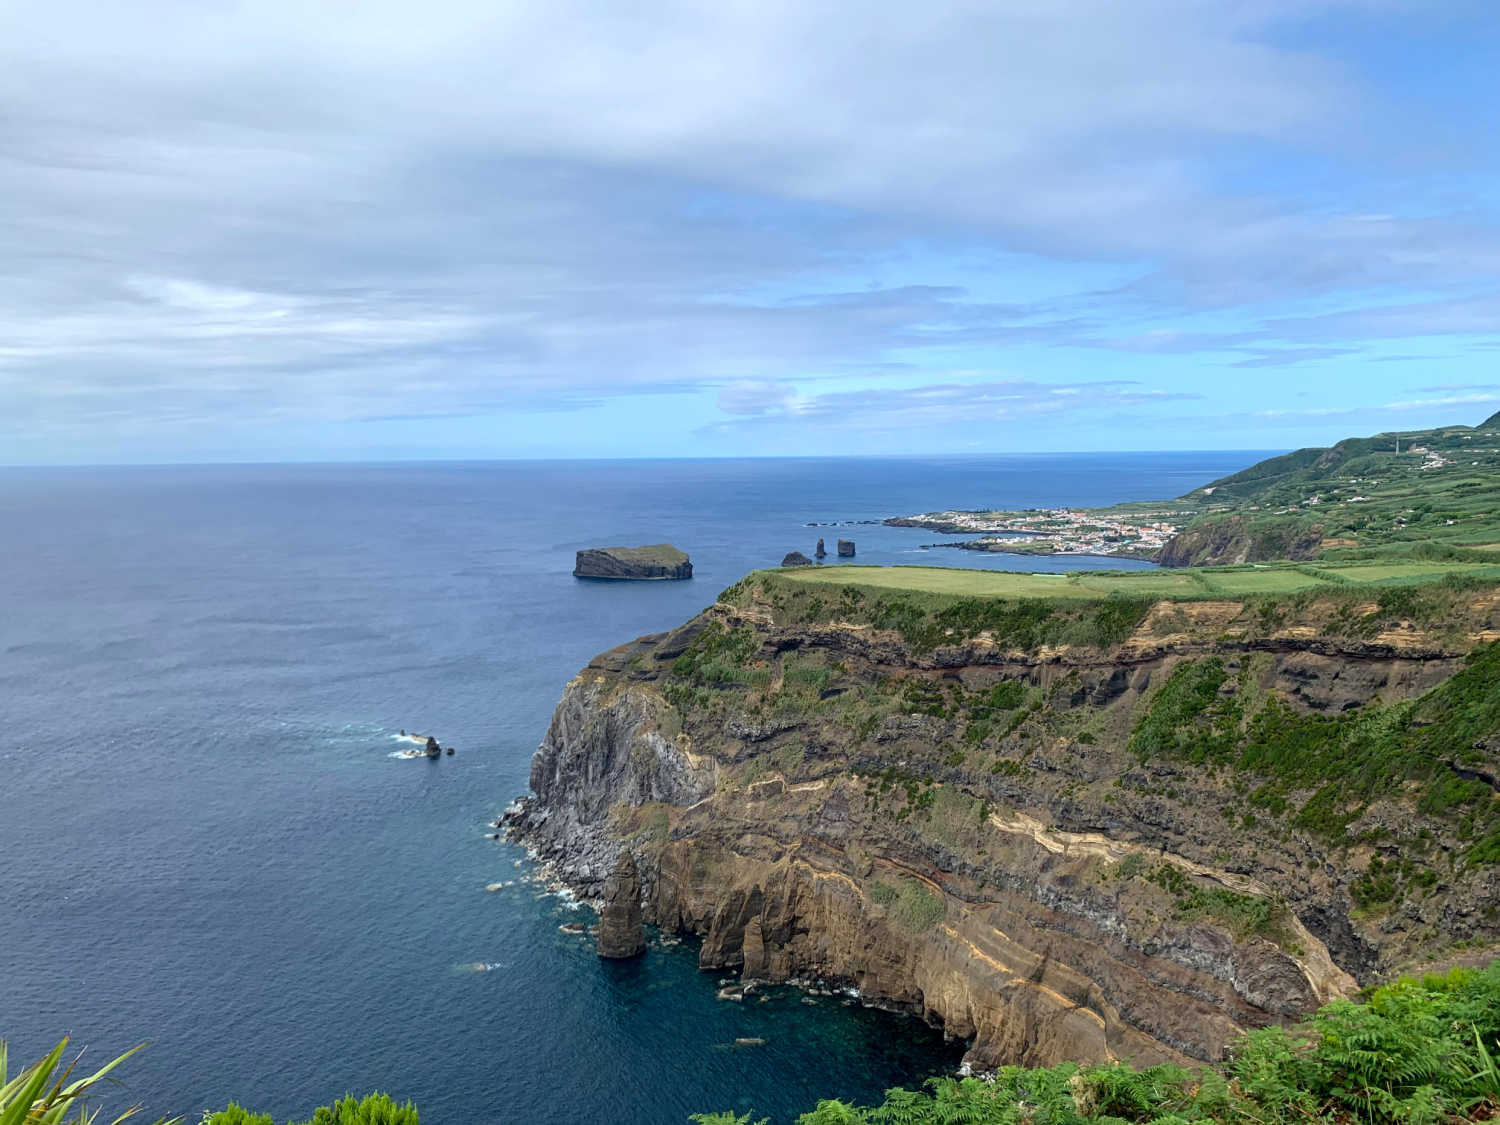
(373, 1109)
(1434, 491)
(1421, 1052)
(1321, 771)
(932, 606)
(1194, 585)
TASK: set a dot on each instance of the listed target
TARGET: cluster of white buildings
(1069, 531)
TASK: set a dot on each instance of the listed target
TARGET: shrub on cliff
(1417, 1053)
(373, 1109)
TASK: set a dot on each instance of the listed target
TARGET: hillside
(1065, 819)
(1435, 488)
(1433, 491)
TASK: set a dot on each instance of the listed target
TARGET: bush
(1418, 1052)
(373, 1109)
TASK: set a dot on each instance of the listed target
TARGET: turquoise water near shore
(206, 843)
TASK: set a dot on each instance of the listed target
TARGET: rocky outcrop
(660, 561)
(796, 558)
(822, 551)
(1037, 888)
(846, 548)
(621, 932)
(1232, 540)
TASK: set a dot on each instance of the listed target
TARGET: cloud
(338, 212)
(1285, 357)
(755, 397)
(987, 403)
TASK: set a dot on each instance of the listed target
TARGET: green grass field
(1198, 583)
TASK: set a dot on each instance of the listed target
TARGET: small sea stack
(621, 934)
(642, 564)
(846, 548)
(796, 558)
(822, 551)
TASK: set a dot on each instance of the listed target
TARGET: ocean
(205, 842)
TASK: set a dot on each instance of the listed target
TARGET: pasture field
(1194, 583)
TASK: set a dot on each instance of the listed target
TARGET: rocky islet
(660, 561)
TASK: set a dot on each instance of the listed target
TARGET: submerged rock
(621, 933)
(659, 561)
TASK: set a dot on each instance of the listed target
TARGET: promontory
(1079, 817)
(658, 561)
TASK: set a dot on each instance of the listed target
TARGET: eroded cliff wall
(1053, 850)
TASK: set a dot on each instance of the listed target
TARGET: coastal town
(1054, 531)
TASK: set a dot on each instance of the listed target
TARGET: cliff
(1232, 540)
(659, 561)
(1068, 830)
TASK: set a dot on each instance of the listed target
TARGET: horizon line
(635, 458)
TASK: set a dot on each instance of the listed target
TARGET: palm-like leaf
(39, 1095)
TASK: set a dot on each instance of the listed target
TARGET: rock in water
(661, 560)
(822, 551)
(846, 548)
(621, 934)
(796, 558)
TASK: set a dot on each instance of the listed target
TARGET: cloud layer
(223, 217)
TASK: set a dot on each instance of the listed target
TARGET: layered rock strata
(808, 798)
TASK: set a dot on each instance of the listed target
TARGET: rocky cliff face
(987, 837)
(621, 928)
(1231, 540)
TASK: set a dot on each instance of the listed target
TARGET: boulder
(658, 561)
(822, 551)
(846, 548)
(796, 558)
(621, 933)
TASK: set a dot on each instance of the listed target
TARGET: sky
(252, 230)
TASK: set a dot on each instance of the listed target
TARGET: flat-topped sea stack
(659, 561)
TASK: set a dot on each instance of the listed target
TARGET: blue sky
(272, 230)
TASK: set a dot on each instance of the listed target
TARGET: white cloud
(345, 210)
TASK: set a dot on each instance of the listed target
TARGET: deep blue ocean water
(205, 843)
